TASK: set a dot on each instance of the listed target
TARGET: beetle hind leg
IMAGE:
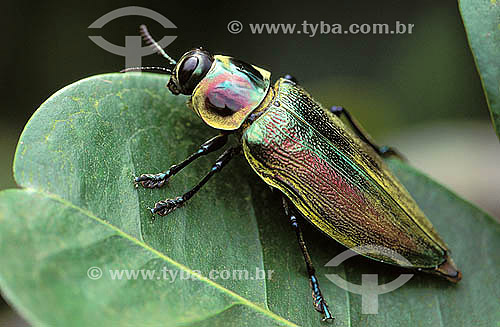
(383, 151)
(387, 151)
(319, 302)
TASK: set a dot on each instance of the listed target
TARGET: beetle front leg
(319, 302)
(158, 180)
(163, 208)
(383, 151)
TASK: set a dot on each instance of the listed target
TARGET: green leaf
(79, 209)
(482, 24)
(50, 284)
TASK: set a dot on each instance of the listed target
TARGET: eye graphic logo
(133, 51)
(369, 288)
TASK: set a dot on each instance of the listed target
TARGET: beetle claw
(319, 302)
(322, 307)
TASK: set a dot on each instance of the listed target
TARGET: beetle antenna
(141, 69)
(150, 41)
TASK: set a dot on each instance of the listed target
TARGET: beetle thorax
(230, 91)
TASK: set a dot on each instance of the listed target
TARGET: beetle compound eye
(188, 67)
(192, 69)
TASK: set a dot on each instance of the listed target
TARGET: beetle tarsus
(151, 180)
(319, 302)
(327, 316)
(163, 208)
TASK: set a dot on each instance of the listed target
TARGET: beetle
(332, 175)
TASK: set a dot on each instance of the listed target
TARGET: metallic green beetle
(332, 175)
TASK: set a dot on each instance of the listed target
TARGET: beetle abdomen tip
(449, 270)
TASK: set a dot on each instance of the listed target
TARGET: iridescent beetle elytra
(331, 175)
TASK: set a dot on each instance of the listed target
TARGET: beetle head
(224, 90)
(189, 71)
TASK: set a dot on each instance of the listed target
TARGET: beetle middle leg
(158, 180)
(319, 302)
(165, 207)
(383, 151)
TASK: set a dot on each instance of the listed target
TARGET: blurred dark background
(418, 91)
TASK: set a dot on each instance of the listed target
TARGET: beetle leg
(291, 78)
(163, 208)
(319, 302)
(383, 151)
(158, 180)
